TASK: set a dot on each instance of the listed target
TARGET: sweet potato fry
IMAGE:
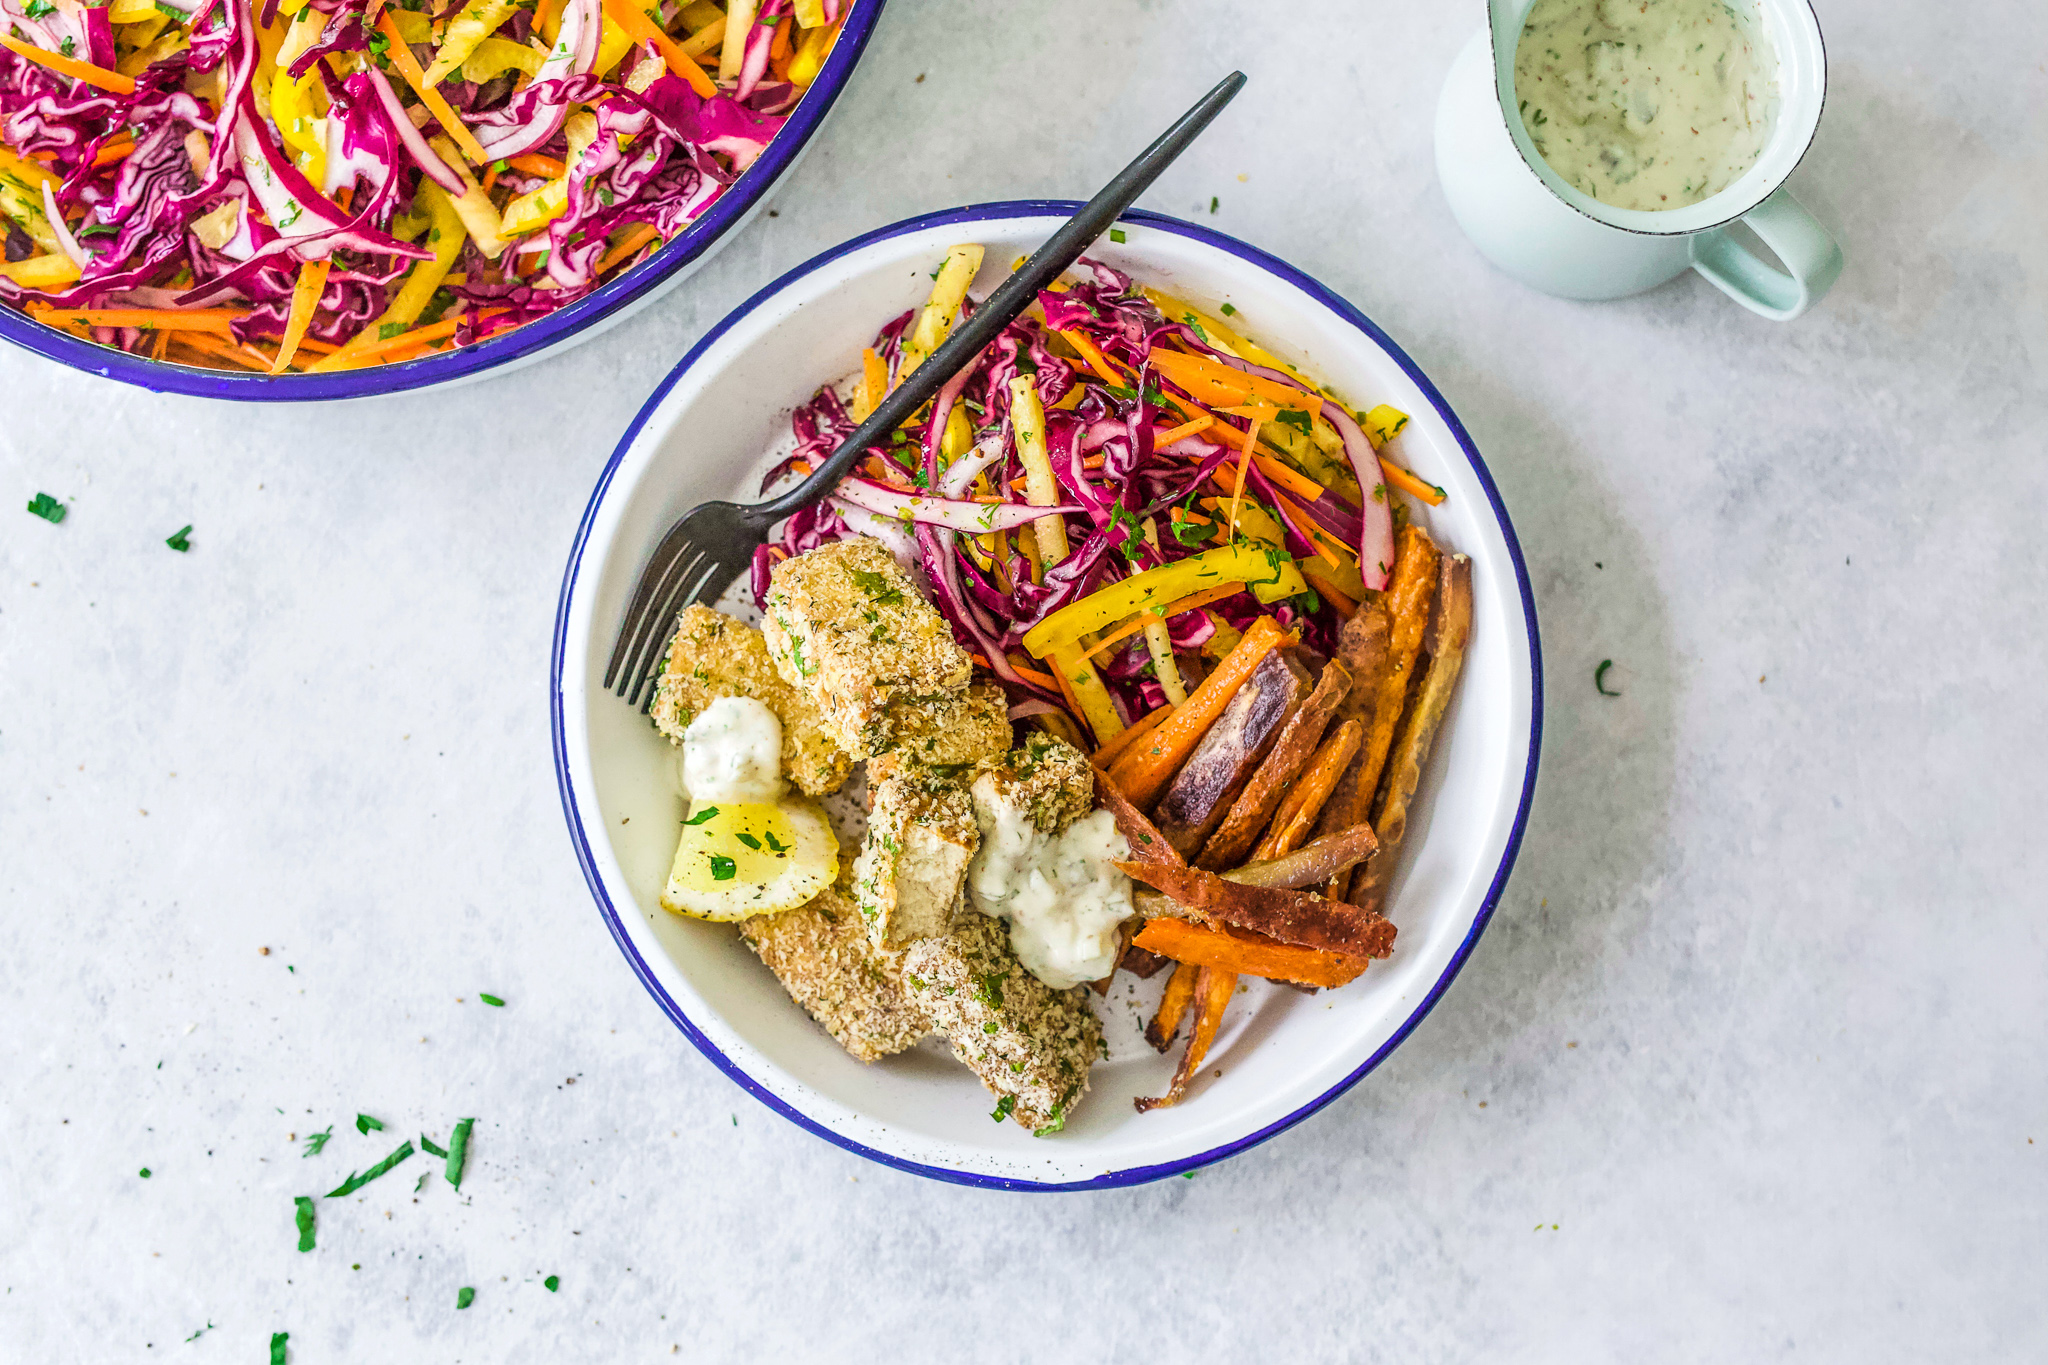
(1148, 845)
(1109, 753)
(1173, 1006)
(1232, 750)
(1213, 988)
(1449, 633)
(1248, 954)
(1254, 807)
(1314, 862)
(1144, 770)
(1140, 962)
(1298, 813)
(1296, 917)
(1406, 605)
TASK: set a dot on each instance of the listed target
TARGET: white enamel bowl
(1282, 1055)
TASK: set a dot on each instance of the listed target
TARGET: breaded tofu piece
(944, 734)
(714, 655)
(848, 629)
(1045, 779)
(912, 868)
(1030, 1044)
(821, 953)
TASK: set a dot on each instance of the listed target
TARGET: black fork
(712, 545)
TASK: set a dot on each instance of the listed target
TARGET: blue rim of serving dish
(1060, 209)
(704, 232)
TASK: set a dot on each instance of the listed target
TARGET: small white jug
(1531, 223)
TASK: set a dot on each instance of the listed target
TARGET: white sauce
(1645, 104)
(1064, 900)
(733, 752)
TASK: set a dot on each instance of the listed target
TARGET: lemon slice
(743, 858)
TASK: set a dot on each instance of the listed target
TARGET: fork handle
(1010, 300)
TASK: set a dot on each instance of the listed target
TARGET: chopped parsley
(356, 1182)
(1054, 1122)
(723, 869)
(48, 508)
(489, 999)
(69, 47)
(1297, 419)
(304, 1216)
(775, 845)
(431, 1147)
(554, 1282)
(86, 234)
(144, 1172)
(1003, 1108)
(1215, 202)
(1228, 311)
(172, 12)
(38, 8)
(202, 1331)
(180, 540)
(315, 1141)
(989, 989)
(1194, 532)
(701, 816)
(458, 1151)
(1600, 678)
(277, 1341)
(388, 330)
(749, 840)
(464, 1297)
(878, 587)
(364, 1124)
(1117, 235)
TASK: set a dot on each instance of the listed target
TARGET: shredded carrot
(1143, 773)
(1195, 372)
(112, 81)
(1409, 484)
(491, 178)
(1251, 439)
(778, 46)
(378, 350)
(163, 343)
(1097, 361)
(1030, 675)
(158, 319)
(533, 163)
(117, 150)
(629, 16)
(305, 301)
(1161, 439)
(546, 15)
(201, 344)
(627, 245)
(1319, 579)
(1247, 953)
(409, 67)
(1116, 748)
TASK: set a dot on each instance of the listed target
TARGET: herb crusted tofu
(848, 629)
(713, 655)
(1045, 780)
(1031, 1045)
(823, 957)
(912, 867)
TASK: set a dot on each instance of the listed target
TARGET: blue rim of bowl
(1058, 209)
(689, 247)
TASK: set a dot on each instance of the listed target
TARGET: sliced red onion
(1376, 518)
(430, 163)
(973, 518)
(574, 53)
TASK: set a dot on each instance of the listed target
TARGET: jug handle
(1812, 258)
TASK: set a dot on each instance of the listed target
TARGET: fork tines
(678, 573)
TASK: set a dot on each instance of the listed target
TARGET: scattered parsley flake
(48, 508)
(144, 1173)
(723, 869)
(36, 9)
(277, 1341)
(303, 1214)
(1215, 202)
(364, 1123)
(68, 47)
(701, 816)
(388, 330)
(1600, 678)
(1228, 311)
(180, 540)
(1003, 1108)
(1054, 1122)
(356, 1182)
(431, 1147)
(775, 845)
(315, 1141)
(458, 1151)
(464, 1297)
(490, 999)
(553, 1282)
(201, 1332)
(749, 840)
(1117, 235)
(421, 1183)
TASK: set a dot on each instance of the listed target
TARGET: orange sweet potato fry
(1247, 954)
(1173, 1006)
(1213, 988)
(1262, 796)
(1296, 818)
(1144, 770)
(1292, 917)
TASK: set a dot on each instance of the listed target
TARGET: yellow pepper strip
(478, 20)
(446, 235)
(874, 382)
(1383, 424)
(292, 109)
(138, 11)
(628, 15)
(409, 67)
(704, 39)
(1041, 489)
(811, 54)
(70, 66)
(305, 299)
(536, 208)
(960, 433)
(493, 57)
(956, 272)
(809, 13)
(475, 208)
(1269, 574)
(21, 198)
(41, 272)
(1168, 612)
(1084, 685)
(1159, 644)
